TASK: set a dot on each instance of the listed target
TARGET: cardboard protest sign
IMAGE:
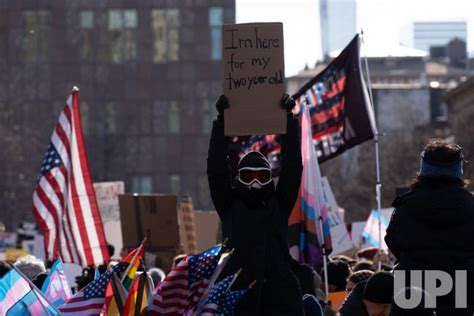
(187, 228)
(154, 216)
(253, 78)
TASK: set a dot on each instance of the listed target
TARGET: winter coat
(259, 234)
(432, 228)
(354, 305)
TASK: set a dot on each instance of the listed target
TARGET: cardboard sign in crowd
(253, 78)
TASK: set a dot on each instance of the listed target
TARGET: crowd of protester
(432, 228)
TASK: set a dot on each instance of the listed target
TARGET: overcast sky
(385, 22)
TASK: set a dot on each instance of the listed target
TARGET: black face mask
(252, 197)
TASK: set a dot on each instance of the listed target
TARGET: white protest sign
(107, 199)
(356, 232)
(38, 248)
(341, 240)
(8, 240)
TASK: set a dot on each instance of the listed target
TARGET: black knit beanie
(379, 288)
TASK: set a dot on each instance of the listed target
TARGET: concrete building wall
(402, 109)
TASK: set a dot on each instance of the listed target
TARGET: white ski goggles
(251, 175)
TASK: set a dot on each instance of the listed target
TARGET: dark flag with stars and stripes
(341, 112)
(186, 284)
(91, 299)
(216, 297)
(231, 298)
(64, 202)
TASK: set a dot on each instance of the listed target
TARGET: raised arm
(291, 164)
(218, 169)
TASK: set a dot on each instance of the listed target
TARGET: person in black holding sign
(254, 216)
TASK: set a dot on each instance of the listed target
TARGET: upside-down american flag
(186, 283)
(64, 202)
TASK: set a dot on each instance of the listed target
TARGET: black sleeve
(291, 166)
(393, 234)
(218, 172)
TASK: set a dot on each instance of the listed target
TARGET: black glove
(287, 103)
(222, 104)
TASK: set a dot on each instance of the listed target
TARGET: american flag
(231, 298)
(64, 202)
(216, 297)
(186, 284)
(90, 300)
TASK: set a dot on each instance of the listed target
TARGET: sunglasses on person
(249, 175)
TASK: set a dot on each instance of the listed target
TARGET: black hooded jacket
(432, 228)
(258, 231)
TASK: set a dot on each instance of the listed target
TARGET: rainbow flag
(305, 235)
(137, 300)
(133, 258)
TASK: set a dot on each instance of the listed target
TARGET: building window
(175, 184)
(165, 25)
(86, 22)
(35, 37)
(173, 118)
(159, 117)
(142, 184)
(110, 118)
(122, 35)
(216, 18)
(208, 114)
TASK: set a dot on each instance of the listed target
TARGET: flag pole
(325, 263)
(36, 291)
(378, 184)
(124, 275)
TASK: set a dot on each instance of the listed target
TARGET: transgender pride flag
(17, 297)
(55, 288)
(305, 236)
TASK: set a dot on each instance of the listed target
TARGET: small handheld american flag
(90, 300)
(186, 284)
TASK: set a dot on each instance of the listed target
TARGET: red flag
(64, 201)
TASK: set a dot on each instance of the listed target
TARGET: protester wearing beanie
(370, 298)
(358, 277)
(432, 227)
(378, 294)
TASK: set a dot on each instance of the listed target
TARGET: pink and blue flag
(305, 234)
(17, 297)
(55, 287)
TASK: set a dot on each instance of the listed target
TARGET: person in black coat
(254, 216)
(432, 227)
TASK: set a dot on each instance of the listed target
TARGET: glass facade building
(427, 34)
(149, 73)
